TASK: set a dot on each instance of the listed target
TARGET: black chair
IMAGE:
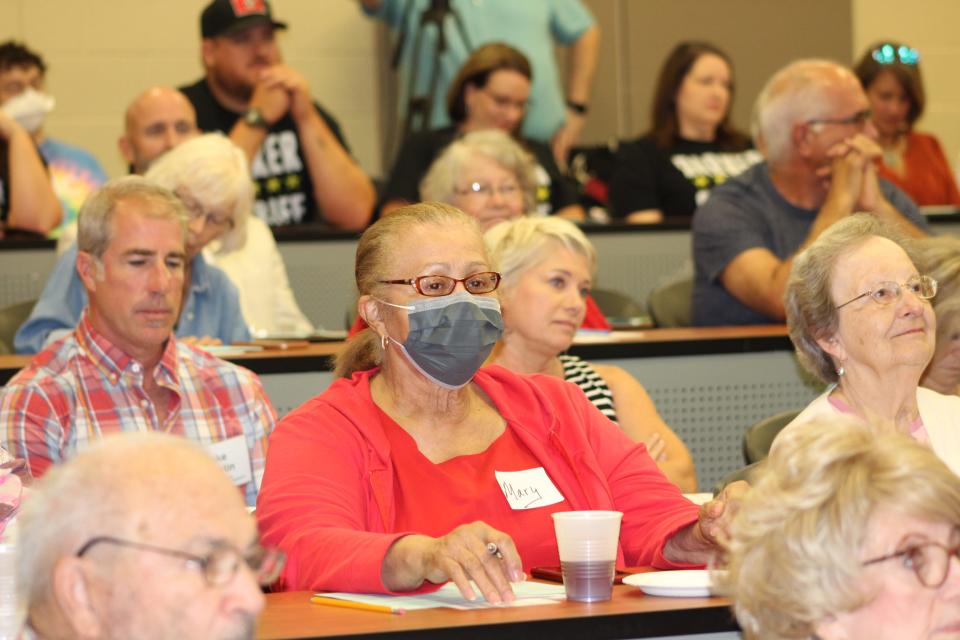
(759, 437)
(10, 320)
(670, 302)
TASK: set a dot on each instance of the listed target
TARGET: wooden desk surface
(630, 614)
(618, 344)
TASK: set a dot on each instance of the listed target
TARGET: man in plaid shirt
(122, 369)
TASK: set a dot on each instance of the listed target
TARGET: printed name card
(232, 456)
(528, 489)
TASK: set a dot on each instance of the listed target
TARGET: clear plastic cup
(587, 542)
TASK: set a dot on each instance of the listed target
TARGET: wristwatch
(254, 118)
(577, 107)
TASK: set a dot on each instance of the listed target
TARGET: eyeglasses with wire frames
(436, 286)
(858, 119)
(218, 566)
(196, 211)
(929, 561)
(924, 287)
(889, 54)
(477, 189)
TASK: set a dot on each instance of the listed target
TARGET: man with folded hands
(122, 369)
(812, 124)
(141, 536)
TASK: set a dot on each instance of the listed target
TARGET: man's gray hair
(794, 94)
(214, 171)
(95, 219)
(105, 490)
(811, 311)
(440, 182)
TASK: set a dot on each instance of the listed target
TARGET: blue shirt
(747, 212)
(211, 308)
(531, 26)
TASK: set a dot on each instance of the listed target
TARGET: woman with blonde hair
(847, 532)
(548, 266)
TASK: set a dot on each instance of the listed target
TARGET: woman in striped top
(547, 266)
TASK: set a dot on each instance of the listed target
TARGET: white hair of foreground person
(108, 489)
(794, 554)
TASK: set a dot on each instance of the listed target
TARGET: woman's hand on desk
(700, 542)
(460, 556)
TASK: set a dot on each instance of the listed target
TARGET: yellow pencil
(362, 606)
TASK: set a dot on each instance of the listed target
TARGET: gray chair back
(10, 320)
(759, 437)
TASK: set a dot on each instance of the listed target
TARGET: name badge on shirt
(528, 489)
(232, 456)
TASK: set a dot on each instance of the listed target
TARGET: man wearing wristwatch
(298, 156)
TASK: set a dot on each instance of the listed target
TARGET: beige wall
(933, 28)
(103, 52)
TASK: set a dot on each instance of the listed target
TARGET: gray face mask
(451, 336)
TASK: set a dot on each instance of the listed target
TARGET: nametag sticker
(528, 489)
(233, 457)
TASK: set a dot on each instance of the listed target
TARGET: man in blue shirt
(813, 127)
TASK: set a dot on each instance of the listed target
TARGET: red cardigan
(327, 493)
(927, 176)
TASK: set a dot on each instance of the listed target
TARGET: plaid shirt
(82, 388)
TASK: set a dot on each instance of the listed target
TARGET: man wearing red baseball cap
(298, 155)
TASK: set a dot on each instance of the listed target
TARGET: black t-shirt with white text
(284, 189)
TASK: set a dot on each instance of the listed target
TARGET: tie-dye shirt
(75, 174)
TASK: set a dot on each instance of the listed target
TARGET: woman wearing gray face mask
(417, 467)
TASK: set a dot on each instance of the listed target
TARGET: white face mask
(29, 108)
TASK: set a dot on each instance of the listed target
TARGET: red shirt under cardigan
(327, 497)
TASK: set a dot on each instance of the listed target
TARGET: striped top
(582, 374)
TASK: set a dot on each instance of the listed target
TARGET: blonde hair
(377, 246)
(212, 169)
(793, 557)
(440, 182)
(517, 245)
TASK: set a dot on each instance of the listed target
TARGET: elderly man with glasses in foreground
(141, 536)
(812, 124)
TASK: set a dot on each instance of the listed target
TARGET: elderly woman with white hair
(847, 533)
(860, 317)
(211, 176)
(548, 266)
(940, 257)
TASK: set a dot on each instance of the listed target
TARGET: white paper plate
(693, 583)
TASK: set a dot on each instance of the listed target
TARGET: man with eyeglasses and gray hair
(141, 536)
(812, 124)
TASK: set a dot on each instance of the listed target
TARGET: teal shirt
(532, 26)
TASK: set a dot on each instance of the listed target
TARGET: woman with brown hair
(691, 144)
(490, 91)
(914, 161)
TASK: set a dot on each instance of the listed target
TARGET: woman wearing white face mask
(399, 475)
(73, 171)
